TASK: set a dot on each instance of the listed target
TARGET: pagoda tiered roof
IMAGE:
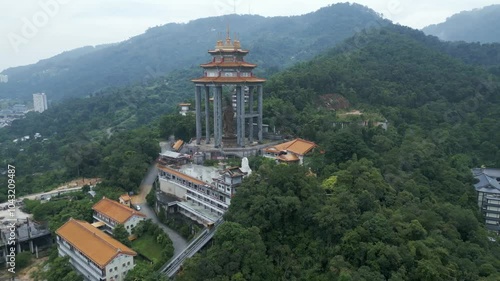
(229, 67)
(228, 64)
(229, 80)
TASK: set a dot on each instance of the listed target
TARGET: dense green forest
(376, 205)
(478, 25)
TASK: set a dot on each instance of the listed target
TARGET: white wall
(119, 267)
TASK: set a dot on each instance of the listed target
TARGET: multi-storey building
(40, 102)
(488, 195)
(112, 213)
(202, 201)
(93, 253)
(289, 152)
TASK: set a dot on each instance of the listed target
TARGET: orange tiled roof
(125, 197)
(289, 157)
(228, 64)
(115, 210)
(92, 242)
(177, 145)
(297, 146)
(229, 80)
(181, 175)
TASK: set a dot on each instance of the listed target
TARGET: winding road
(178, 241)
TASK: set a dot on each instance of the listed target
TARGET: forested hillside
(370, 204)
(478, 25)
(275, 42)
(114, 134)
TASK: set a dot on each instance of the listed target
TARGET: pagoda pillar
(250, 111)
(259, 118)
(218, 116)
(207, 114)
(240, 116)
(197, 97)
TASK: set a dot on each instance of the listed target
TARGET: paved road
(53, 192)
(178, 241)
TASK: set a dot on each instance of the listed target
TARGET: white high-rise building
(40, 102)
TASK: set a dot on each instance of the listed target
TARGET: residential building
(112, 213)
(40, 102)
(204, 198)
(4, 78)
(125, 200)
(19, 108)
(93, 253)
(289, 152)
(488, 195)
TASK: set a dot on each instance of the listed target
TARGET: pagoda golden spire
(228, 37)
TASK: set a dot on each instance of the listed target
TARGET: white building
(204, 199)
(112, 213)
(488, 195)
(184, 108)
(93, 253)
(4, 78)
(40, 102)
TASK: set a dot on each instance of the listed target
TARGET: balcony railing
(80, 261)
(206, 204)
(198, 191)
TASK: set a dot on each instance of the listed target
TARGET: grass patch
(147, 246)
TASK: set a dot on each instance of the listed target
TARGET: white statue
(245, 167)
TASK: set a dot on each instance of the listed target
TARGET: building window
(110, 270)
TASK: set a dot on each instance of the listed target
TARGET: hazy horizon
(36, 30)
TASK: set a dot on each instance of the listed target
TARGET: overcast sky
(31, 30)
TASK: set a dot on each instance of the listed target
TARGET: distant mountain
(479, 25)
(274, 43)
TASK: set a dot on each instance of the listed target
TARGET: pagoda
(228, 68)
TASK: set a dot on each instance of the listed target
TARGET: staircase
(174, 265)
